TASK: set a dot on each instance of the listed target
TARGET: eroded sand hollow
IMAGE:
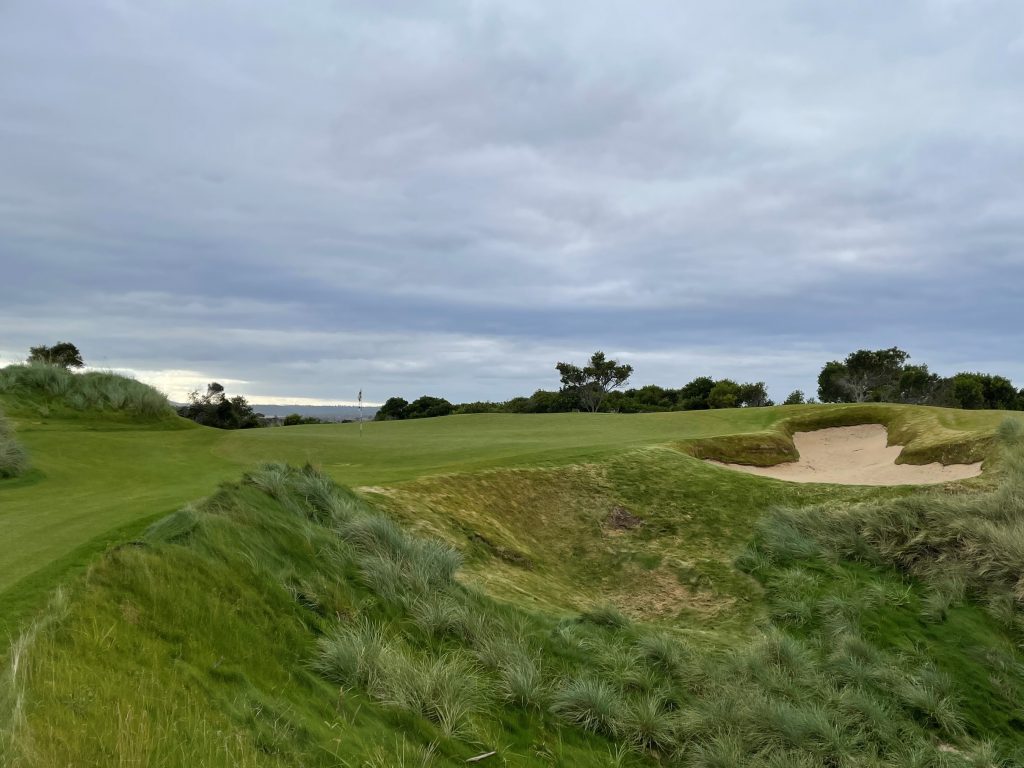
(855, 456)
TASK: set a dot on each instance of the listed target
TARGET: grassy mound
(283, 622)
(41, 390)
(13, 457)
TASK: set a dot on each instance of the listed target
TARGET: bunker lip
(855, 456)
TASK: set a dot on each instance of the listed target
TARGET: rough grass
(103, 475)
(307, 661)
(13, 456)
(43, 390)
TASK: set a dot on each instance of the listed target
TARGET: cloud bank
(449, 197)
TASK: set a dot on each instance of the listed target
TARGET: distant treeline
(882, 375)
(885, 376)
(702, 393)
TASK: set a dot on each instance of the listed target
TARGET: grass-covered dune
(42, 390)
(284, 622)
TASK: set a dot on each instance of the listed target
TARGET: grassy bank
(285, 622)
(99, 476)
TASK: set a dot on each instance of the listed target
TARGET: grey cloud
(454, 195)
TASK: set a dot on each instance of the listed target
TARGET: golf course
(555, 589)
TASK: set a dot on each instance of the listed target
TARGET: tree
(396, 408)
(983, 390)
(796, 397)
(63, 353)
(427, 407)
(594, 381)
(725, 394)
(694, 396)
(754, 395)
(968, 391)
(864, 375)
(393, 408)
(829, 389)
(917, 384)
(214, 409)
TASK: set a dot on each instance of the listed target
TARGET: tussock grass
(605, 616)
(13, 457)
(591, 704)
(40, 389)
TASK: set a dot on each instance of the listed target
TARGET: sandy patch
(856, 456)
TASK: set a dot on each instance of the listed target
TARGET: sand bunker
(856, 456)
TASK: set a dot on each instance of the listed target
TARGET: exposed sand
(856, 456)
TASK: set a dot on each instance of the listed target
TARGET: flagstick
(360, 413)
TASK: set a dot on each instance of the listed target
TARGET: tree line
(597, 386)
(883, 375)
(886, 376)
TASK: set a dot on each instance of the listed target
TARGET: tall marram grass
(40, 388)
(13, 457)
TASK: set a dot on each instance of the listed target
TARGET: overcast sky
(304, 199)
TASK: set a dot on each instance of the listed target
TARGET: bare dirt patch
(621, 519)
(856, 456)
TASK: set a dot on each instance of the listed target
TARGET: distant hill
(322, 412)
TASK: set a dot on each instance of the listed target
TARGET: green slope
(283, 622)
(100, 475)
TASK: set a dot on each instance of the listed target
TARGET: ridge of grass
(928, 434)
(41, 390)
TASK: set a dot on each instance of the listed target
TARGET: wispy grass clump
(13, 457)
(590, 703)
(40, 388)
